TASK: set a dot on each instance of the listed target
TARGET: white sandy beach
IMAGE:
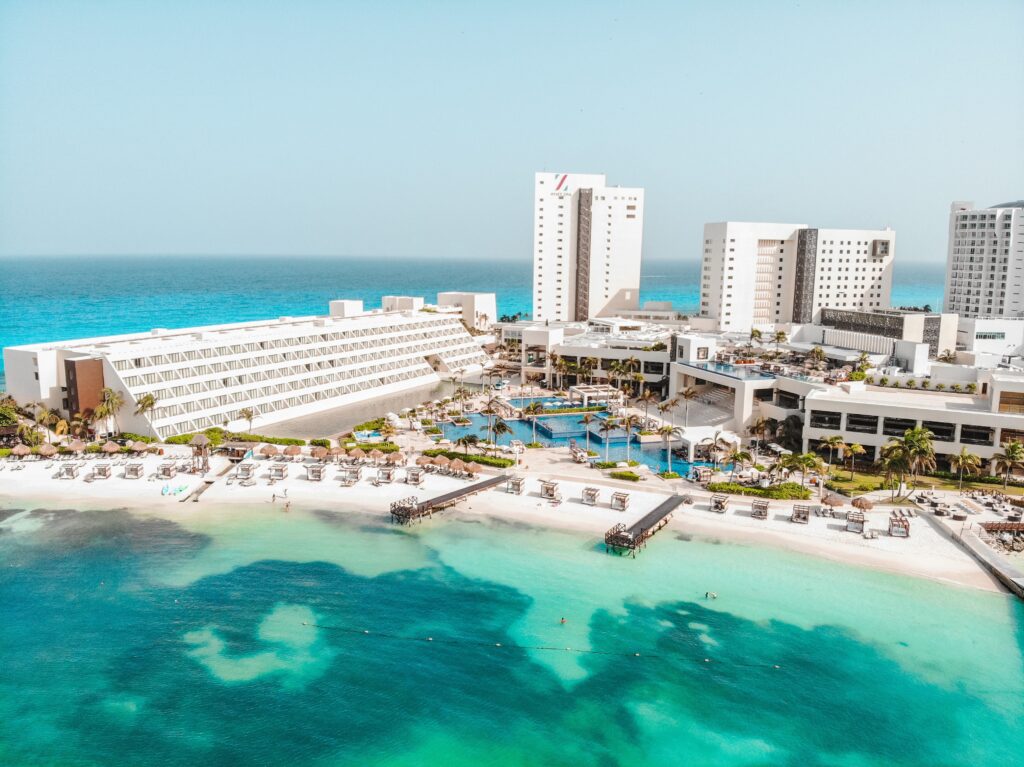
(926, 554)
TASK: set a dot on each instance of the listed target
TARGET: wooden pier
(622, 538)
(409, 509)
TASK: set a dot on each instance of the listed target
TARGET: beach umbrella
(864, 504)
(293, 450)
(46, 450)
(110, 447)
(21, 450)
(337, 452)
(76, 446)
(424, 460)
(357, 452)
(376, 454)
(832, 500)
(441, 461)
(139, 447)
(319, 452)
(396, 457)
(268, 450)
(473, 467)
(457, 465)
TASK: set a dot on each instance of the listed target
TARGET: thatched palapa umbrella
(376, 455)
(21, 450)
(358, 453)
(110, 447)
(76, 446)
(457, 465)
(268, 451)
(337, 451)
(293, 450)
(46, 450)
(473, 467)
(424, 460)
(139, 447)
(441, 461)
(863, 503)
(396, 458)
(319, 452)
(832, 500)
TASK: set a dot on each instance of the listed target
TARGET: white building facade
(985, 261)
(762, 274)
(587, 243)
(281, 369)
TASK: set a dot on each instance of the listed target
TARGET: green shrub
(483, 460)
(534, 445)
(384, 447)
(132, 437)
(425, 422)
(606, 464)
(857, 375)
(869, 379)
(883, 381)
(631, 462)
(972, 388)
(432, 430)
(374, 425)
(956, 387)
(630, 476)
(926, 384)
(8, 416)
(569, 410)
(787, 491)
(669, 475)
(592, 453)
(984, 479)
(320, 442)
(940, 386)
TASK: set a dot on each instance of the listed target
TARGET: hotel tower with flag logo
(587, 240)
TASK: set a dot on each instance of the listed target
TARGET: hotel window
(976, 435)
(942, 431)
(863, 424)
(895, 427)
(825, 419)
(1011, 402)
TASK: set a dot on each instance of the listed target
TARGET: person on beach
(273, 498)
(288, 506)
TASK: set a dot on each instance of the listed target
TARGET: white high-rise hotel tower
(587, 239)
(985, 263)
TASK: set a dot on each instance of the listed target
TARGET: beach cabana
(315, 472)
(236, 451)
(110, 447)
(590, 496)
(759, 509)
(855, 521)
(245, 471)
(720, 503)
(899, 527)
(101, 471)
(414, 475)
(801, 514)
(350, 475)
(269, 451)
(702, 473)
(166, 470)
(549, 490)
(20, 451)
(620, 501)
(278, 472)
(134, 471)
(292, 451)
(67, 471)
(385, 475)
(515, 485)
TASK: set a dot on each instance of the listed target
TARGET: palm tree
(61, 427)
(586, 420)
(947, 356)
(81, 423)
(779, 338)
(111, 402)
(1012, 457)
(833, 443)
(755, 336)
(737, 455)
(461, 395)
(590, 364)
(615, 372)
(646, 398)
(500, 428)
(863, 361)
(964, 461)
(147, 402)
(669, 433)
(853, 450)
(638, 383)
(467, 441)
(921, 452)
(532, 411)
(387, 430)
(247, 414)
(790, 432)
(608, 425)
(894, 463)
(686, 395)
(717, 445)
(629, 423)
(46, 418)
(759, 428)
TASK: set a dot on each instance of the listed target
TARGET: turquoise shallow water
(232, 636)
(59, 298)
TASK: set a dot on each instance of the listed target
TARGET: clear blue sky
(372, 128)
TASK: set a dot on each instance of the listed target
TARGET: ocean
(247, 636)
(62, 298)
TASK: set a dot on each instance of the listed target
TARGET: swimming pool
(550, 403)
(365, 435)
(556, 431)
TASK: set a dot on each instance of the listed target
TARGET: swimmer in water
(564, 620)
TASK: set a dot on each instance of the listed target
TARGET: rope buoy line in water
(509, 645)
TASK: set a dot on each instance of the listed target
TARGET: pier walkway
(622, 538)
(408, 509)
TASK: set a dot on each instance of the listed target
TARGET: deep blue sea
(62, 298)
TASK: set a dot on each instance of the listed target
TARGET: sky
(414, 128)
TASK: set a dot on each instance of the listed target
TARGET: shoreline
(927, 554)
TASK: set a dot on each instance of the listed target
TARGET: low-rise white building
(281, 369)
